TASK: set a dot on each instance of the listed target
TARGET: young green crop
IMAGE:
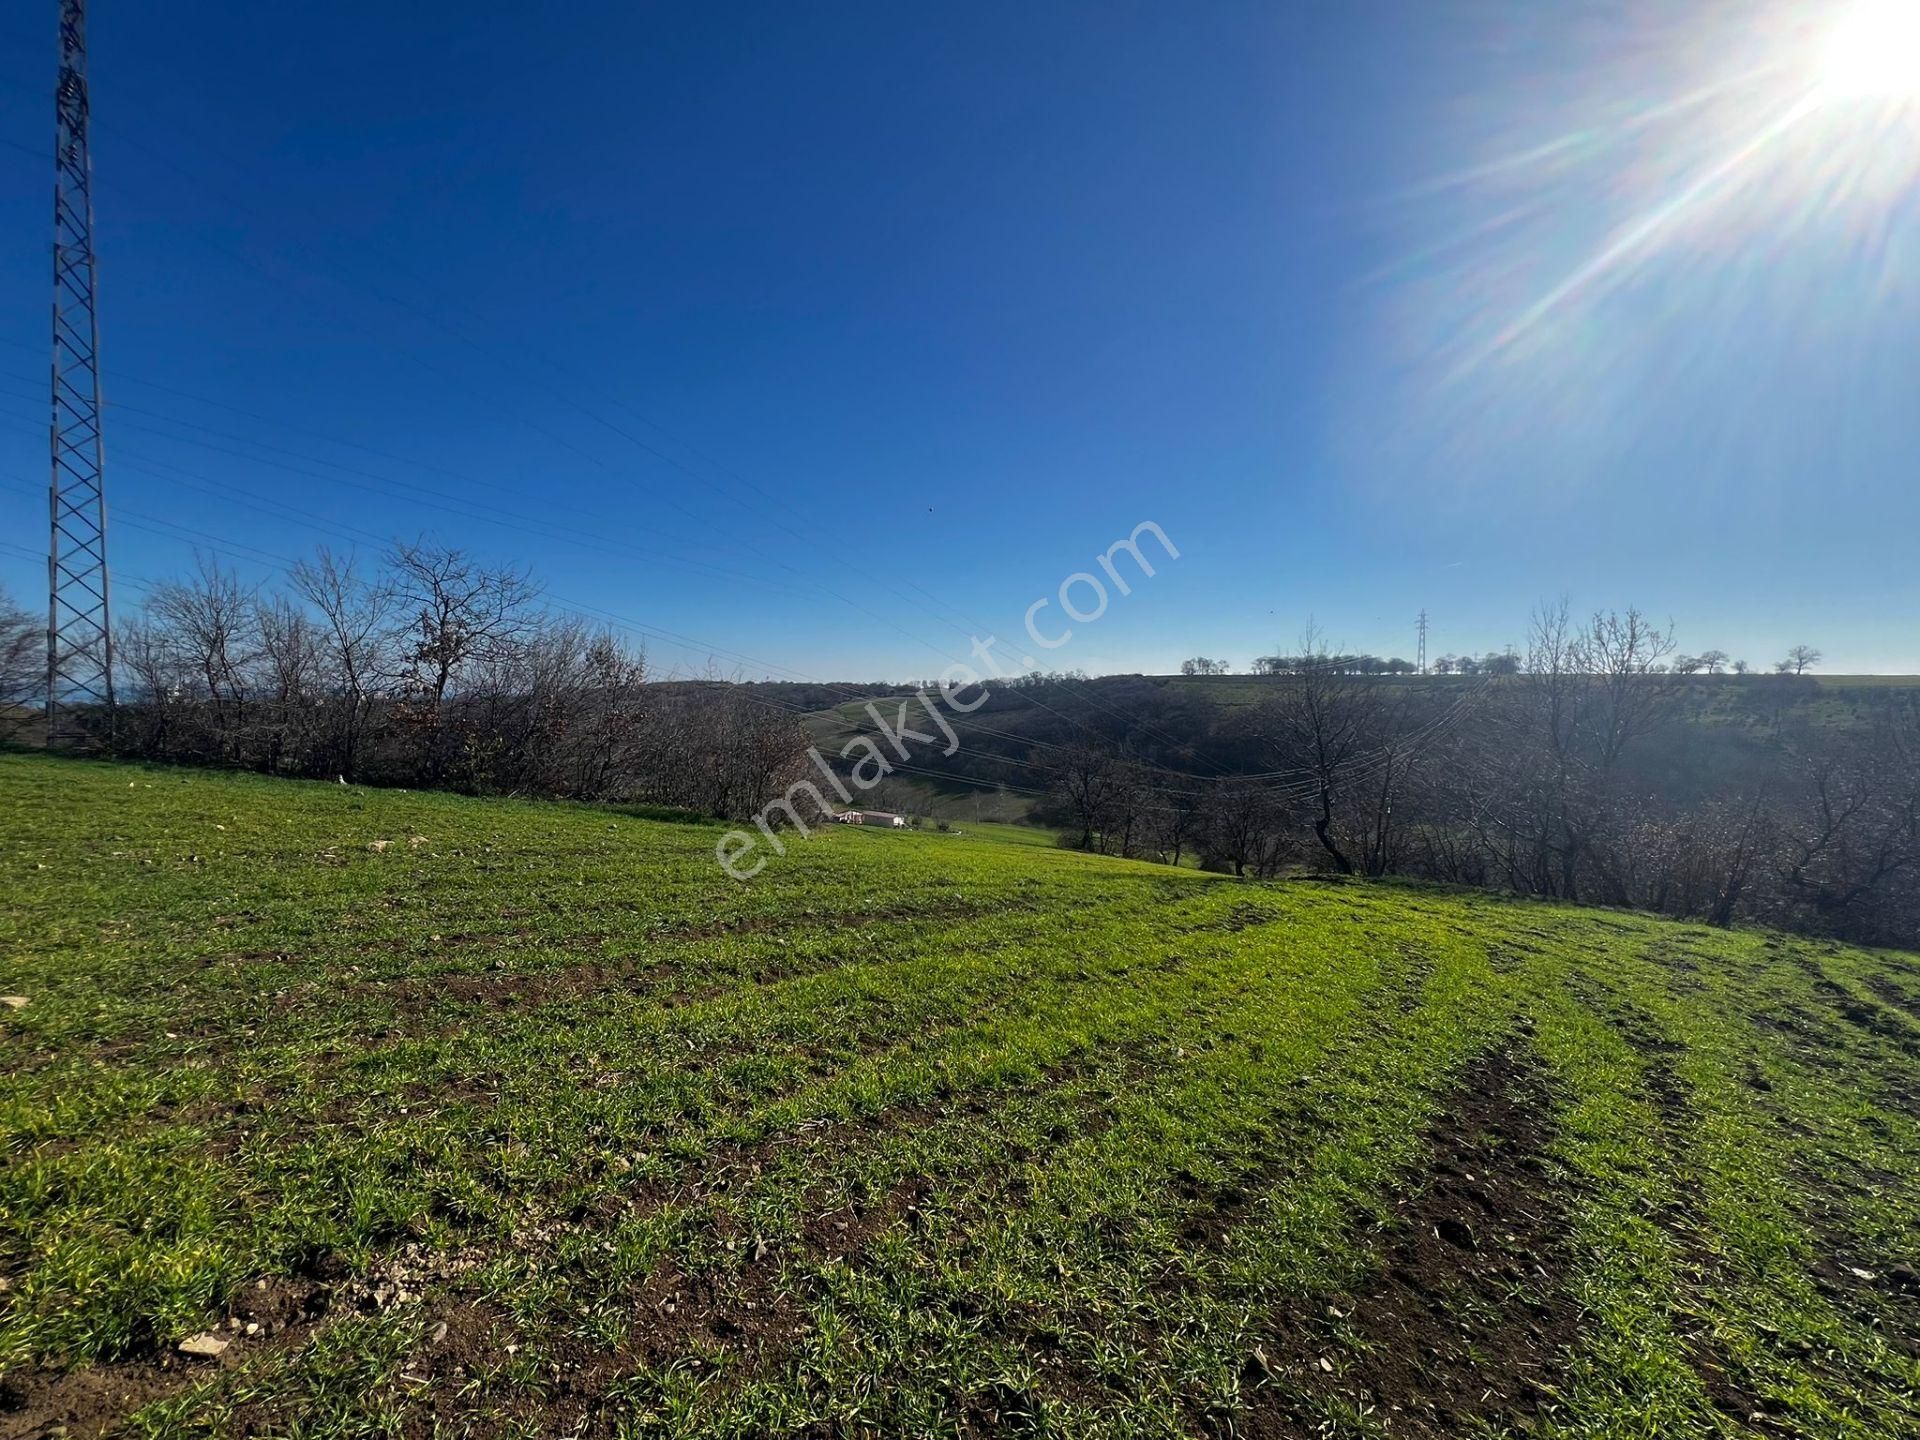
(510, 1118)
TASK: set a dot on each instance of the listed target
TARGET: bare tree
(1175, 817)
(1087, 778)
(1623, 653)
(456, 612)
(457, 616)
(1317, 725)
(604, 750)
(1544, 785)
(1245, 829)
(1857, 832)
(23, 660)
(154, 690)
(1745, 834)
(1448, 830)
(290, 675)
(211, 622)
(1126, 822)
(1800, 659)
(1384, 786)
(563, 709)
(356, 651)
(766, 751)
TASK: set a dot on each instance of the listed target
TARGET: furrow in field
(1046, 1290)
(853, 1188)
(1784, 1334)
(547, 1117)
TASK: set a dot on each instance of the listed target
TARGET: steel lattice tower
(79, 634)
(1421, 663)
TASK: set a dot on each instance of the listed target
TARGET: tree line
(423, 667)
(1589, 769)
(1797, 661)
(1584, 772)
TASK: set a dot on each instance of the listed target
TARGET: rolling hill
(339, 1112)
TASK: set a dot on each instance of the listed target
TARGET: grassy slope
(913, 1135)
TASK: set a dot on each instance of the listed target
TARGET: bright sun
(1873, 52)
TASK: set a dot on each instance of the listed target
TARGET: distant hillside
(1718, 734)
(1777, 799)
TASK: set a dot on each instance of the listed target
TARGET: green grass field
(453, 1117)
(987, 830)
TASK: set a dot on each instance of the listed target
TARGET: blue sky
(823, 337)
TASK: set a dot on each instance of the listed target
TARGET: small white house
(873, 817)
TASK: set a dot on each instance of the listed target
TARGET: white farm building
(873, 817)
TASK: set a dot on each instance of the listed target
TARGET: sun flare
(1873, 52)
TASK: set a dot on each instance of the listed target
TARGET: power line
(456, 506)
(1269, 783)
(593, 459)
(518, 522)
(223, 544)
(570, 397)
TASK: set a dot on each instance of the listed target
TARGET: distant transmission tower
(1422, 661)
(79, 635)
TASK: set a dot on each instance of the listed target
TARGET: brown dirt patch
(1864, 1014)
(1877, 1290)
(1466, 1318)
(1895, 996)
(96, 1400)
(90, 1402)
(1803, 1036)
(730, 1318)
(447, 998)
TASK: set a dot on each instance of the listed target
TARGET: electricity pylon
(79, 629)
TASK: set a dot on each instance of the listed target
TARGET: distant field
(1232, 690)
(923, 791)
(459, 1117)
(1245, 689)
(1005, 834)
(982, 833)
